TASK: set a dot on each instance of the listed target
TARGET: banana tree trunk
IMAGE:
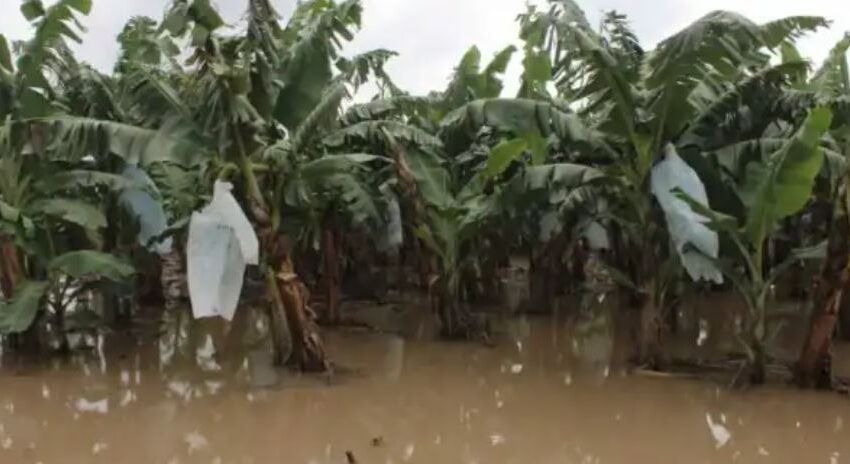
(650, 330)
(331, 275)
(59, 321)
(544, 275)
(173, 279)
(491, 284)
(813, 365)
(11, 273)
(578, 260)
(441, 304)
(843, 331)
(454, 321)
(757, 368)
(425, 262)
(308, 351)
(754, 337)
(281, 334)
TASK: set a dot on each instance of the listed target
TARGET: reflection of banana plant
(774, 190)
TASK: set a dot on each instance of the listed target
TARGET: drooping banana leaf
(316, 30)
(432, 179)
(82, 178)
(386, 108)
(18, 314)
(370, 133)
(86, 263)
(502, 155)
(784, 185)
(71, 210)
(79, 137)
(520, 117)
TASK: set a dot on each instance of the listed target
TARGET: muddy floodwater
(546, 393)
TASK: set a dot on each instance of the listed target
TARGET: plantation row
(717, 159)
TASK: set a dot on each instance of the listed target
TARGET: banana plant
(773, 190)
(48, 274)
(642, 101)
(461, 219)
(60, 283)
(262, 103)
(551, 136)
(831, 85)
(53, 187)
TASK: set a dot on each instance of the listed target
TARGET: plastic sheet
(392, 237)
(684, 225)
(221, 244)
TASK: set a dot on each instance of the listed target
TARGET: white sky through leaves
(431, 35)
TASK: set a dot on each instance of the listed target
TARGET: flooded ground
(547, 393)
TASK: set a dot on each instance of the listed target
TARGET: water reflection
(98, 448)
(5, 440)
(195, 442)
(98, 406)
(719, 431)
(550, 392)
(394, 360)
(127, 398)
(205, 355)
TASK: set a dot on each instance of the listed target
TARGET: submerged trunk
(455, 322)
(649, 335)
(813, 365)
(331, 276)
(442, 306)
(757, 368)
(754, 340)
(294, 331)
(279, 329)
(59, 321)
(308, 351)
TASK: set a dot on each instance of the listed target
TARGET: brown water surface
(546, 394)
